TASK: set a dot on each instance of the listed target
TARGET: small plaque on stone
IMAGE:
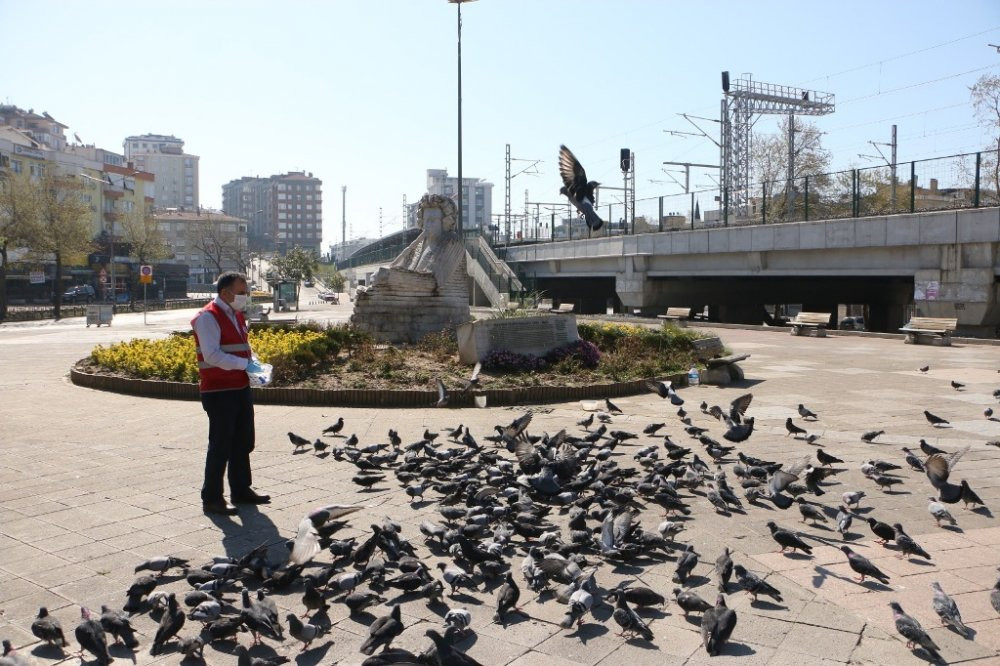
(524, 335)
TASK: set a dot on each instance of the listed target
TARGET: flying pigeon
(577, 188)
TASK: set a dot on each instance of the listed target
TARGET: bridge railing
(969, 180)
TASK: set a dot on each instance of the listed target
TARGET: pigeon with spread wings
(577, 188)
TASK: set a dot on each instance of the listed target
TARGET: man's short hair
(227, 279)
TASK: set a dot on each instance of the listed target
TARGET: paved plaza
(93, 483)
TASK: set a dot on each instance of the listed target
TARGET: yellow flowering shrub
(293, 352)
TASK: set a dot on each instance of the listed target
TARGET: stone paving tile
(106, 526)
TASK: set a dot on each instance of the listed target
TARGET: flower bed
(312, 357)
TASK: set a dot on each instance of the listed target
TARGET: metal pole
(552, 224)
(913, 185)
(807, 199)
(975, 196)
(343, 220)
(660, 219)
(692, 210)
(145, 306)
(790, 187)
(893, 202)
(763, 204)
(461, 185)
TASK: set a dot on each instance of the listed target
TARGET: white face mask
(240, 302)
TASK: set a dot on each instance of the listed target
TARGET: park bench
(814, 323)
(564, 308)
(707, 348)
(255, 312)
(932, 330)
(677, 315)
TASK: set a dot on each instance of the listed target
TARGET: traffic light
(626, 159)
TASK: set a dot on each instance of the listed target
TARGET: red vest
(231, 341)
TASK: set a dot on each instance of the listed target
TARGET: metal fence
(970, 180)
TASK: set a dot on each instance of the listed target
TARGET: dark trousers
(230, 441)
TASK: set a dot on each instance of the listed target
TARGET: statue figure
(425, 289)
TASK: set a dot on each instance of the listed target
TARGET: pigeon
(854, 498)
(690, 602)
(914, 634)
(171, 622)
(844, 519)
(792, 428)
(913, 461)
(938, 510)
(871, 435)
(335, 428)
(298, 442)
(930, 450)
(118, 625)
(90, 635)
(958, 386)
(456, 577)
(163, 563)
(581, 601)
(753, 584)
(787, 539)
(724, 569)
(629, 620)
(458, 620)
(383, 630)
(947, 610)
(826, 459)
(806, 413)
(577, 188)
(10, 655)
(863, 566)
(304, 631)
(359, 601)
(313, 599)
(685, 564)
(507, 598)
(925, 368)
(587, 422)
(883, 531)
(442, 395)
(939, 467)
(809, 512)
(717, 625)
(444, 653)
(995, 596)
(935, 420)
(907, 546)
(612, 407)
(225, 628)
(306, 545)
(988, 413)
(192, 648)
(48, 628)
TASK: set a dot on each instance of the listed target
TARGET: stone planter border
(149, 388)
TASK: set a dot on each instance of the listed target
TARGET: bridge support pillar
(631, 285)
(964, 287)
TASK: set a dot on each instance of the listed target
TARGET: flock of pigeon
(498, 537)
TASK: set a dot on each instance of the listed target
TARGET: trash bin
(99, 314)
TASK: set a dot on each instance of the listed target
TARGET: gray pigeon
(863, 566)
(303, 631)
(938, 510)
(717, 625)
(171, 622)
(914, 634)
(577, 188)
(90, 636)
(383, 630)
(947, 610)
(690, 602)
(48, 628)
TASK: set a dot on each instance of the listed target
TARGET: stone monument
(425, 289)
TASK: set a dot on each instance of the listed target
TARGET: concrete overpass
(938, 264)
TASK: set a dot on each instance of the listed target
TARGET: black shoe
(221, 507)
(251, 497)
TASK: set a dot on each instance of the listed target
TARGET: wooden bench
(564, 308)
(814, 323)
(932, 330)
(677, 315)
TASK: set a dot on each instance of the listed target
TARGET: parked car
(82, 293)
(330, 297)
(852, 324)
(307, 283)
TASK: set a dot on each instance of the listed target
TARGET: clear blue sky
(363, 93)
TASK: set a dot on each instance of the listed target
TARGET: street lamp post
(461, 184)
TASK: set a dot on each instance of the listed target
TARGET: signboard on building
(36, 277)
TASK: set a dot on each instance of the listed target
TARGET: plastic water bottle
(262, 378)
(693, 378)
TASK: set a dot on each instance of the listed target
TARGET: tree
(143, 237)
(62, 227)
(18, 212)
(985, 95)
(298, 264)
(770, 168)
(331, 277)
(219, 241)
